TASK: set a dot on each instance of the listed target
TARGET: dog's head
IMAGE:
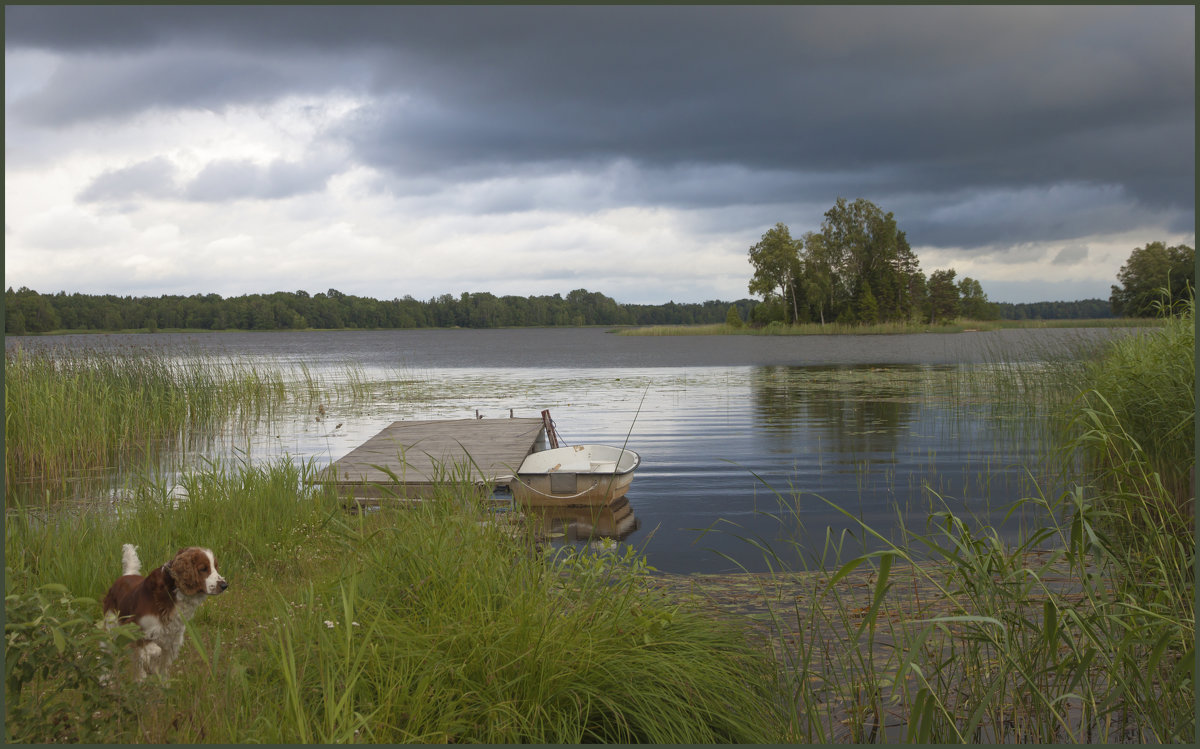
(195, 572)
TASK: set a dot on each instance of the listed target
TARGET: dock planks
(419, 453)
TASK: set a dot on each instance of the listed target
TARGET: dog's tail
(130, 564)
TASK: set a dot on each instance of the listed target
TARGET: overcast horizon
(633, 151)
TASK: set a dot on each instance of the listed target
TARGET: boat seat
(572, 466)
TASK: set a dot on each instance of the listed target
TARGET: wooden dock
(420, 454)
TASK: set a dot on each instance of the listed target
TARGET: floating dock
(409, 458)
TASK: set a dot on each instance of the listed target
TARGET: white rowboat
(579, 475)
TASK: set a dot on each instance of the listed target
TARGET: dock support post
(549, 424)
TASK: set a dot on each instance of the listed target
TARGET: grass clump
(422, 625)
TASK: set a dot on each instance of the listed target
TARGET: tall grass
(82, 418)
(1137, 418)
(1081, 631)
(422, 625)
(69, 415)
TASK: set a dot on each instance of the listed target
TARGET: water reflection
(855, 410)
(575, 524)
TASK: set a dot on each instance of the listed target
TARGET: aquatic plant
(84, 418)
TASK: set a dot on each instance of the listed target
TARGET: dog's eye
(204, 568)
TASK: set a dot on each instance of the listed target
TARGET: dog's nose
(222, 585)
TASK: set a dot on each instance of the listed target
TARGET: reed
(73, 414)
(1082, 630)
(75, 419)
(1136, 419)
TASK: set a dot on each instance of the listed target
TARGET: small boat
(579, 475)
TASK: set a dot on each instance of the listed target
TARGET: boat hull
(576, 476)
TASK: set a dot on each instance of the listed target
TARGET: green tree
(1151, 274)
(943, 296)
(32, 309)
(776, 261)
(863, 248)
(866, 309)
(14, 323)
(733, 318)
(973, 303)
(817, 274)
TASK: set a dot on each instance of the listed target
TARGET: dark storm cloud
(791, 104)
(102, 87)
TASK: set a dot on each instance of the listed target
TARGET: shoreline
(705, 329)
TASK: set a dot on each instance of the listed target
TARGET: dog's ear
(186, 569)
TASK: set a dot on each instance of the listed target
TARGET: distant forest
(1085, 309)
(27, 311)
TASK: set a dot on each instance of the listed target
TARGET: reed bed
(69, 414)
(76, 419)
(951, 635)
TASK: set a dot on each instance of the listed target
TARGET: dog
(161, 602)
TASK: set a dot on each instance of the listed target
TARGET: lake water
(747, 442)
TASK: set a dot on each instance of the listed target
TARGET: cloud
(1010, 216)
(152, 178)
(1002, 138)
(1071, 255)
(227, 179)
(69, 228)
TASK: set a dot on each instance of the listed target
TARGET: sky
(635, 151)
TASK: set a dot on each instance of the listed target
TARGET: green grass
(79, 418)
(425, 625)
(894, 328)
(70, 414)
(432, 625)
(1138, 416)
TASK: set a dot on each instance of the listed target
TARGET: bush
(61, 667)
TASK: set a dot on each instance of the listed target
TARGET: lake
(751, 446)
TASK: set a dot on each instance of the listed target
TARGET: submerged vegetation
(434, 624)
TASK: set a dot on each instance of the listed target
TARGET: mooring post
(549, 424)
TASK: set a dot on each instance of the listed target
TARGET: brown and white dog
(161, 602)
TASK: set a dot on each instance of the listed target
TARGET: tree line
(27, 311)
(1084, 309)
(859, 268)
